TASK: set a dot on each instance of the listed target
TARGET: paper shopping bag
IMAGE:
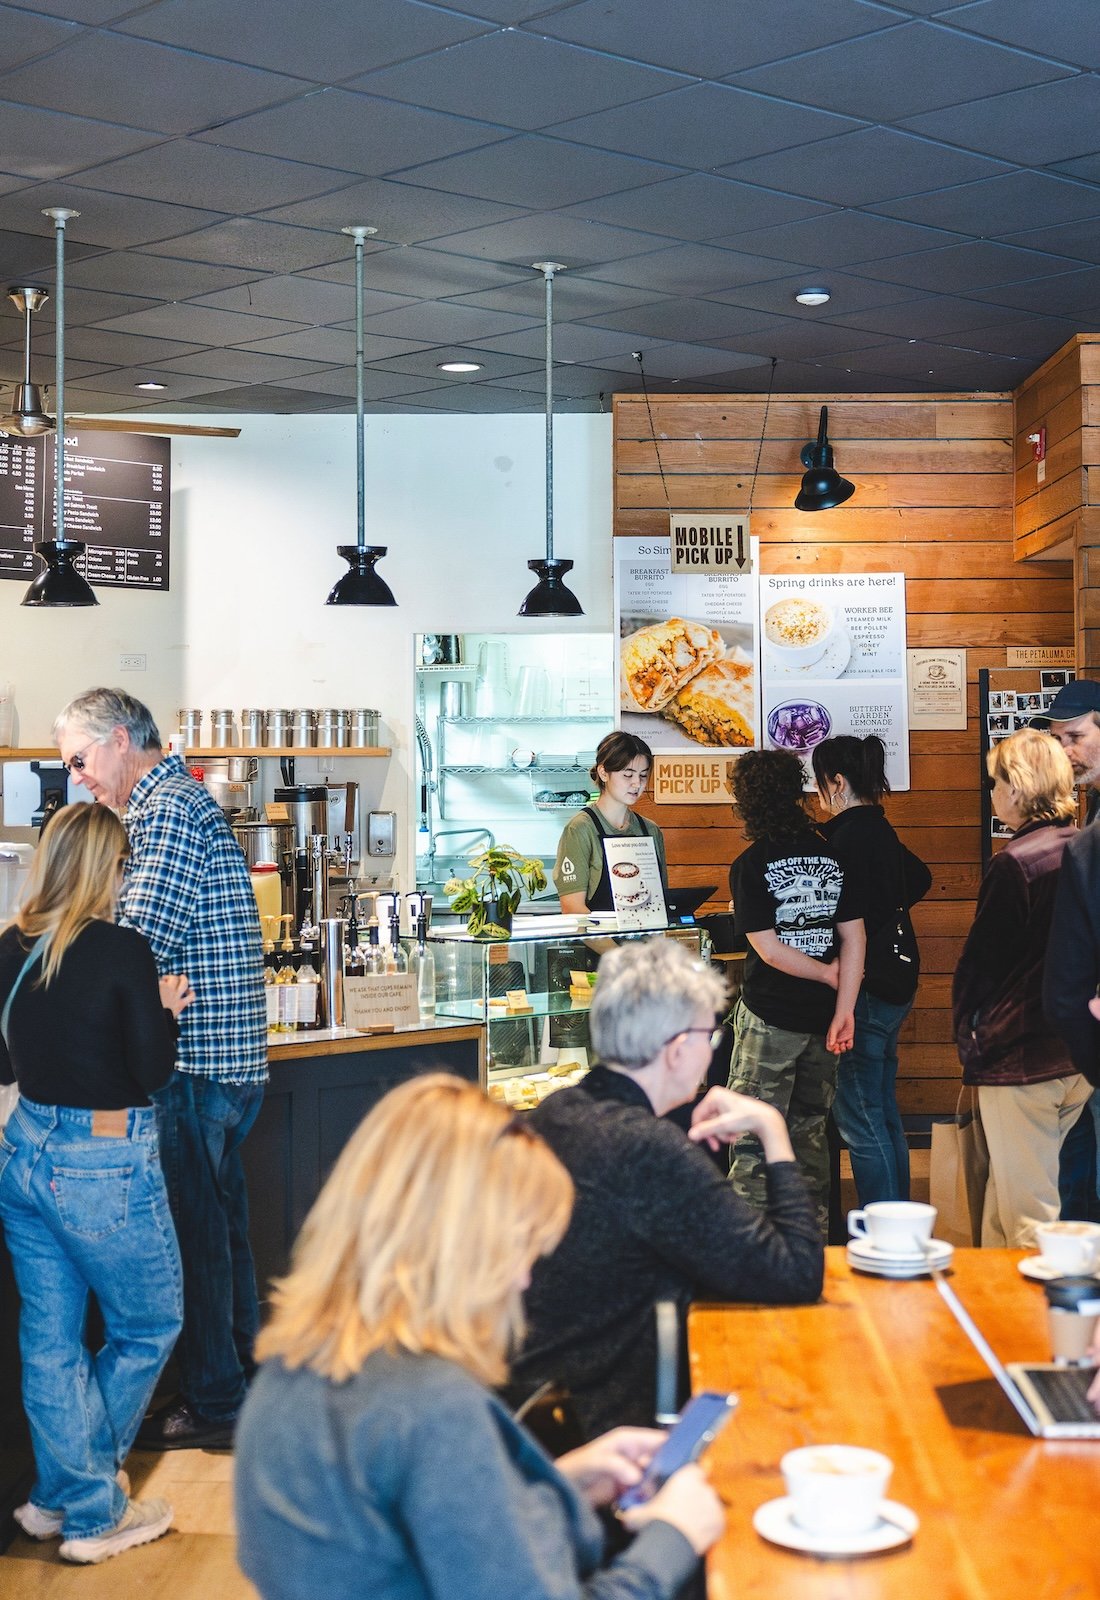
(959, 1173)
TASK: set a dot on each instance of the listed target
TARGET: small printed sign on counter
(687, 780)
(636, 888)
(386, 1002)
(711, 541)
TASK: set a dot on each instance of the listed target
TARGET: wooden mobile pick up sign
(693, 780)
(710, 541)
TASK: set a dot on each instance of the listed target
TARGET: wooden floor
(196, 1561)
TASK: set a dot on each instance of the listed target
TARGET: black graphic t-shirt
(797, 889)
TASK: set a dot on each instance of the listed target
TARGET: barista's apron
(601, 898)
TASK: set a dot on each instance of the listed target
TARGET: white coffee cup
(798, 628)
(836, 1488)
(894, 1227)
(1072, 1247)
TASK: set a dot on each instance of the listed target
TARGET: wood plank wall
(935, 493)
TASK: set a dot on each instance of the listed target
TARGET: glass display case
(533, 993)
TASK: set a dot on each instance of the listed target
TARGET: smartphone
(698, 1423)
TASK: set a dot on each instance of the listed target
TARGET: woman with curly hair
(803, 923)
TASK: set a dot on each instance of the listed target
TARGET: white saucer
(774, 1522)
(1043, 1271)
(830, 664)
(874, 1261)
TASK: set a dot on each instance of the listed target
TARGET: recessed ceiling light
(813, 297)
(150, 385)
(459, 366)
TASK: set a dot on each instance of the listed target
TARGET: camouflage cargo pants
(795, 1073)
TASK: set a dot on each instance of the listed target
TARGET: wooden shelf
(304, 752)
(10, 753)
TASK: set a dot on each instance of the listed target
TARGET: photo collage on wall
(1010, 709)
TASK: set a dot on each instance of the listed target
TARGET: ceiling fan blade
(126, 425)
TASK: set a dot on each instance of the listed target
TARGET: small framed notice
(710, 541)
(381, 1002)
(937, 689)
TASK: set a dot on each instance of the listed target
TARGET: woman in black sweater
(851, 782)
(86, 1032)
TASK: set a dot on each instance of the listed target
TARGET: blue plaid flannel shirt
(187, 889)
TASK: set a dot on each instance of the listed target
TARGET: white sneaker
(142, 1522)
(38, 1523)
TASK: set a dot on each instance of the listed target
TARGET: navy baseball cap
(1074, 699)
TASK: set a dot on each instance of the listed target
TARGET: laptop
(1050, 1399)
(682, 904)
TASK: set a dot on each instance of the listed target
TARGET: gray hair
(97, 712)
(647, 993)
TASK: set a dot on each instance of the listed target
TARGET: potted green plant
(493, 891)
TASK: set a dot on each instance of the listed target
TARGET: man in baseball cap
(1074, 718)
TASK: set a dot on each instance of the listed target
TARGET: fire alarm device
(381, 833)
(1038, 443)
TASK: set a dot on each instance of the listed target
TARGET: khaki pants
(1025, 1126)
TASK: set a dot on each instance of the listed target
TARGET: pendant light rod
(60, 217)
(359, 234)
(548, 269)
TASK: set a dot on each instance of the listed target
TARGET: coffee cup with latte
(1070, 1247)
(836, 1488)
(894, 1227)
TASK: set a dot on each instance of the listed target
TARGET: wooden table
(881, 1363)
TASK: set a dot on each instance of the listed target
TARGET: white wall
(255, 524)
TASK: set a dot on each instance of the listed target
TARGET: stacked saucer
(913, 1262)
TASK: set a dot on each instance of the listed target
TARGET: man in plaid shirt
(187, 890)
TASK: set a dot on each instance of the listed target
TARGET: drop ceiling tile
(706, 125)
(444, 321)
(114, 222)
(698, 37)
(190, 172)
(979, 264)
(11, 363)
(696, 206)
(930, 318)
(1054, 122)
(996, 206)
(265, 398)
(362, 134)
(129, 272)
(1066, 31)
(124, 380)
(29, 258)
(333, 346)
(864, 167)
(402, 212)
(85, 306)
(1078, 239)
(553, 237)
(246, 242)
(144, 85)
(691, 269)
(942, 367)
(538, 173)
(573, 297)
(525, 81)
(678, 361)
(45, 144)
(684, 320)
(483, 399)
(92, 12)
(306, 300)
(285, 36)
(839, 239)
(791, 337)
(1070, 294)
(23, 35)
(570, 383)
(198, 325)
(1087, 167)
(238, 366)
(899, 72)
(429, 274)
(494, 366)
(572, 342)
(510, 13)
(377, 384)
(1035, 339)
(849, 291)
(117, 349)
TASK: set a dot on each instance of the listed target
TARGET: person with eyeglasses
(187, 890)
(655, 1218)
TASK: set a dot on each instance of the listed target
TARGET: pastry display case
(532, 992)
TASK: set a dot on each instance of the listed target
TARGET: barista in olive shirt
(622, 768)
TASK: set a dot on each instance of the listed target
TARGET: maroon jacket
(1000, 1030)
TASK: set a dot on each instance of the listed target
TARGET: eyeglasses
(77, 763)
(714, 1036)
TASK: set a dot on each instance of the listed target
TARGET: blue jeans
(866, 1107)
(203, 1124)
(87, 1214)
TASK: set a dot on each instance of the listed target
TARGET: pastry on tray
(656, 662)
(716, 707)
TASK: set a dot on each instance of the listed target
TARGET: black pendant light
(59, 583)
(362, 585)
(550, 597)
(28, 416)
(822, 486)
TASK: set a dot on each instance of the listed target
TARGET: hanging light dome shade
(362, 586)
(59, 583)
(822, 486)
(550, 597)
(28, 416)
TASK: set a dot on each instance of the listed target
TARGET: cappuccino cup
(894, 1227)
(836, 1488)
(1072, 1247)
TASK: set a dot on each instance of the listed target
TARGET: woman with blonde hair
(1028, 1092)
(372, 1456)
(87, 1033)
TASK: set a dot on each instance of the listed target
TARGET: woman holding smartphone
(373, 1457)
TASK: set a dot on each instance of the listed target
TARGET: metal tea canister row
(301, 729)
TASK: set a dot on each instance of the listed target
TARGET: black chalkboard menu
(117, 488)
